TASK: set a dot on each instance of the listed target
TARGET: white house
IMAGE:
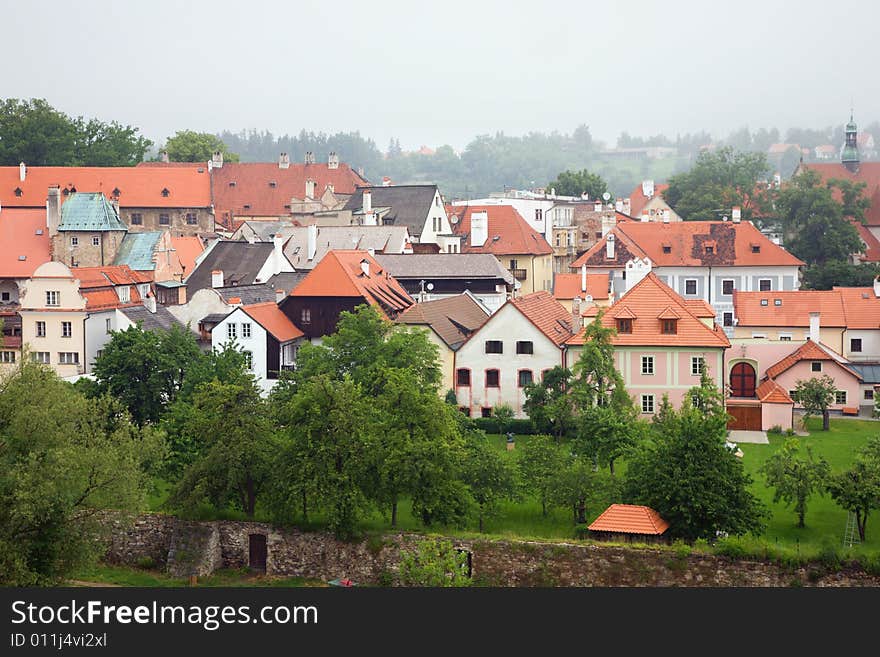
(521, 341)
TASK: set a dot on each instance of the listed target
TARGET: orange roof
(568, 286)
(687, 244)
(643, 305)
(139, 187)
(547, 314)
(629, 519)
(24, 242)
(270, 317)
(861, 305)
(772, 393)
(699, 307)
(240, 184)
(340, 274)
(96, 284)
(872, 244)
(188, 249)
(509, 233)
(808, 351)
(637, 200)
(793, 308)
(868, 173)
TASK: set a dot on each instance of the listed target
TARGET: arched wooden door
(742, 380)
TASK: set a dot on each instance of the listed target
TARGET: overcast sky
(443, 72)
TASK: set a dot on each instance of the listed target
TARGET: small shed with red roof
(629, 523)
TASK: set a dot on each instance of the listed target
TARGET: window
(785, 337)
(697, 365)
(855, 344)
(191, 218)
(68, 358)
(777, 302)
(710, 250)
(66, 329)
(74, 241)
(463, 377)
(759, 335)
(513, 264)
(647, 364)
(840, 396)
(764, 285)
(727, 286)
(539, 215)
(494, 347)
(231, 331)
(5, 296)
(7, 356)
(647, 403)
(493, 379)
(869, 394)
(107, 326)
(248, 359)
(40, 357)
(164, 219)
(624, 325)
(728, 319)
(669, 326)
(124, 293)
(525, 347)
(96, 241)
(41, 329)
(793, 394)
(305, 316)
(136, 219)
(816, 366)
(525, 378)
(486, 411)
(165, 192)
(764, 302)
(756, 248)
(667, 248)
(690, 286)
(246, 330)
(99, 353)
(696, 402)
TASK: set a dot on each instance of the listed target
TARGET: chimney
(552, 192)
(575, 315)
(22, 172)
(310, 188)
(53, 211)
(626, 206)
(877, 287)
(618, 205)
(284, 161)
(645, 216)
(386, 181)
(217, 160)
(360, 171)
(365, 267)
(647, 188)
(115, 203)
(584, 278)
(217, 278)
(585, 196)
(279, 296)
(163, 156)
(277, 253)
(736, 214)
(597, 206)
(479, 228)
(608, 222)
(609, 246)
(367, 201)
(150, 303)
(310, 157)
(333, 160)
(311, 241)
(235, 302)
(666, 216)
(814, 327)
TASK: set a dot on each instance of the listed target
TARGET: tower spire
(849, 156)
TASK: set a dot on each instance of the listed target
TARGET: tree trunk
(581, 512)
(251, 498)
(305, 506)
(394, 513)
(861, 521)
(481, 521)
(544, 506)
(611, 466)
(826, 420)
(801, 519)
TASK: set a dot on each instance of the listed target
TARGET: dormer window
(65, 191)
(667, 248)
(764, 302)
(624, 325)
(710, 250)
(669, 326)
(232, 183)
(756, 248)
(165, 192)
(18, 191)
(273, 184)
(777, 302)
(247, 206)
(115, 191)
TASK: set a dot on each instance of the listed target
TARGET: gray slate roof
(161, 319)
(286, 280)
(240, 263)
(870, 372)
(390, 239)
(137, 250)
(264, 230)
(445, 265)
(248, 293)
(409, 204)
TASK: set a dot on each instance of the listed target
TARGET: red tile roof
(97, 286)
(547, 314)
(139, 187)
(637, 200)
(270, 317)
(699, 307)
(686, 242)
(808, 351)
(509, 233)
(339, 274)
(861, 305)
(644, 304)
(794, 310)
(629, 519)
(188, 249)
(872, 244)
(237, 184)
(771, 392)
(19, 237)
(568, 286)
(868, 173)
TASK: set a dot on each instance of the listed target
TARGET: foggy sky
(446, 71)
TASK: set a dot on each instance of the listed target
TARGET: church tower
(849, 156)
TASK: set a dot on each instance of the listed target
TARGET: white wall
(526, 207)
(256, 344)
(429, 235)
(870, 344)
(96, 333)
(204, 302)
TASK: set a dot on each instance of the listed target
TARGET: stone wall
(197, 548)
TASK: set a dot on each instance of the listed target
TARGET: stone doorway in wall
(258, 551)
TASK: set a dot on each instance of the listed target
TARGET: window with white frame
(816, 366)
(7, 356)
(68, 358)
(785, 337)
(107, 325)
(66, 329)
(74, 241)
(248, 359)
(765, 285)
(697, 363)
(124, 293)
(96, 241)
(231, 331)
(40, 357)
(246, 329)
(690, 286)
(53, 298)
(727, 286)
(647, 364)
(305, 316)
(41, 329)
(840, 396)
(647, 403)
(728, 319)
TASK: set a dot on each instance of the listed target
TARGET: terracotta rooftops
(868, 173)
(808, 351)
(25, 242)
(188, 249)
(98, 286)
(355, 274)
(568, 286)
(646, 307)
(546, 313)
(772, 393)
(791, 308)
(861, 305)
(688, 244)
(270, 317)
(638, 200)
(508, 233)
(872, 244)
(629, 519)
(454, 319)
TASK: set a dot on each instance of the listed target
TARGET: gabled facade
(227, 263)
(305, 246)
(86, 231)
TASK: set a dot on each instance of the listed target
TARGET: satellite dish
(430, 286)
(606, 196)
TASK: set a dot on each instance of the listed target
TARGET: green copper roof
(850, 154)
(851, 127)
(137, 250)
(89, 211)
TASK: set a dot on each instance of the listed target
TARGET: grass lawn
(125, 576)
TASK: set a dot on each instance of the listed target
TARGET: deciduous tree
(795, 478)
(816, 395)
(191, 146)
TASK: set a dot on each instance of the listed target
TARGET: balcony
(518, 274)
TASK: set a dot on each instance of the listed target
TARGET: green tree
(795, 478)
(853, 198)
(540, 459)
(100, 144)
(549, 405)
(576, 485)
(595, 377)
(840, 273)
(191, 146)
(689, 476)
(434, 563)
(63, 458)
(718, 181)
(575, 183)
(610, 431)
(503, 414)
(489, 476)
(816, 395)
(857, 490)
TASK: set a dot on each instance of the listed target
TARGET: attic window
(669, 326)
(764, 302)
(756, 248)
(710, 250)
(624, 325)
(165, 192)
(667, 248)
(496, 238)
(247, 206)
(22, 258)
(777, 302)
(18, 191)
(232, 183)
(116, 191)
(65, 191)
(39, 231)
(287, 206)
(273, 184)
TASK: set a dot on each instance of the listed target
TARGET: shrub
(517, 426)
(776, 428)
(434, 563)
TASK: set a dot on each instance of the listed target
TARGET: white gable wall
(256, 343)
